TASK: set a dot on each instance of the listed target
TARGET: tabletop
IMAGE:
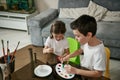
(26, 73)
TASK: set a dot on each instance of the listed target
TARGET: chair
(73, 45)
(107, 73)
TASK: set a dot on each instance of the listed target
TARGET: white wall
(45, 4)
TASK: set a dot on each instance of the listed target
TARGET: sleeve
(48, 42)
(100, 60)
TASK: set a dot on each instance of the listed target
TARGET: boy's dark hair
(58, 27)
(85, 24)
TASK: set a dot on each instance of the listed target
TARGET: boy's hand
(66, 58)
(69, 69)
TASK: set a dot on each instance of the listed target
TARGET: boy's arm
(84, 72)
(77, 52)
(66, 52)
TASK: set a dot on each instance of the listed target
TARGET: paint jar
(6, 68)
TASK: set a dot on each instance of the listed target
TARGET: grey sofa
(108, 31)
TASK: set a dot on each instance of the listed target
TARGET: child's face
(80, 37)
(58, 37)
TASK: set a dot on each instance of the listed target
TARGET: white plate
(62, 72)
(42, 70)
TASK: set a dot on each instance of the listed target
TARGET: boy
(93, 63)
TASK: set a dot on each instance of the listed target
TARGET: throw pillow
(96, 10)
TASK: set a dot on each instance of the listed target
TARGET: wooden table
(25, 73)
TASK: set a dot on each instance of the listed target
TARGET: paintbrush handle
(16, 48)
(67, 62)
(8, 56)
(7, 46)
(14, 52)
(12, 56)
(3, 50)
(3, 47)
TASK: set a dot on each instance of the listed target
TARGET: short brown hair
(85, 24)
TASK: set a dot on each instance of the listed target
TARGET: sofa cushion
(67, 8)
(115, 52)
(109, 32)
(111, 43)
(72, 12)
(93, 9)
(73, 3)
(112, 5)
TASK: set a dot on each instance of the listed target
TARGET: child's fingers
(50, 50)
(60, 59)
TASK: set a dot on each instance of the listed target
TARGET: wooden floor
(14, 36)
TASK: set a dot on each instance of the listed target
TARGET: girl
(56, 44)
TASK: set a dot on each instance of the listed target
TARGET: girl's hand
(50, 50)
(70, 70)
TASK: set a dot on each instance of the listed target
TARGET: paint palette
(62, 72)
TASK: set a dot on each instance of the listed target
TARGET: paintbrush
(3, 50)
(8, 52)
(14, 52)
(68, 62)
(8, 56)
(62, 62)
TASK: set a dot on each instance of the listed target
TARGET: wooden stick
(32, 61)
(7, 46)
(35, 57)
